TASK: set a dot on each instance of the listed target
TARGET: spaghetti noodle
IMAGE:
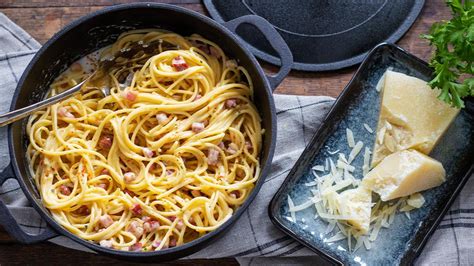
(168, 156)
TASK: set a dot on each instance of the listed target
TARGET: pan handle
(9, 223)
(275, 40)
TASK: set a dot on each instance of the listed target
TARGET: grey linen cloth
(253, 240)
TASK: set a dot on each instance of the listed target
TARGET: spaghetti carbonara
(166, 157)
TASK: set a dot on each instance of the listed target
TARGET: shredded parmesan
(291, 205)
(305, 205)
(355, 151)
(333, 166)
(381, 135)
(344, 166)
(366, 166)
(319, 168)
(350, 137)
(337, 237)
(342, 214)
(368, 128)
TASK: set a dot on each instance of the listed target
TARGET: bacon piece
(212, 156)
(129, 177)
(76, 67)
(64, 112)
(221, 145)
(103, 186)
(172, 242)
(105, 221)
(172, 218)
(136, 229)
(105, 141)
(83, 210)
(162, 118)
(248, 145)
(235, 194)
(179, 63)
(199, 96)
(145, 218)
(179, 225)
(105, 172)
(136, 209)
(129, 192)
(240, 173)
(148, 152)
(130, 95)
(136, 247)
(230, 103)
(65, 190)
(151, 226)
(105, 243)
(156, 243)
(197, 127)
(233, 148)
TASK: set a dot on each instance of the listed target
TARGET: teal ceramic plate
(360, 103)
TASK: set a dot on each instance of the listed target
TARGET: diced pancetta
(129, 177)
(105, 221)
(162, 118)
(197, 127)
(105, 141)
(64, 112)
(136, 229)
(148, 153)
(212, 156)
(65, 190)
(231, 103)
(179, 63)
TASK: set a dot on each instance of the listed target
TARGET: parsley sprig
(454, 53)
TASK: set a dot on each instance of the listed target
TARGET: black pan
(100, 29)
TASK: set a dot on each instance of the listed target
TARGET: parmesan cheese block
(411, 116)
(404, 173)
(357, 203)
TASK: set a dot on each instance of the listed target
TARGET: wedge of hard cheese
(404, 173)
(411, 116)
(357, 203)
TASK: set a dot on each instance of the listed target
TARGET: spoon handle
(15, 115)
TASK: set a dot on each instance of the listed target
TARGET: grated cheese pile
(346, 206)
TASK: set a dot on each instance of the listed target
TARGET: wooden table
(42, 18)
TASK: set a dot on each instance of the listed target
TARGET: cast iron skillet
(101, 28)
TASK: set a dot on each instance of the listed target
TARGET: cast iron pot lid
(322, 34)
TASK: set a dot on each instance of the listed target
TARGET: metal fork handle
(15, 115)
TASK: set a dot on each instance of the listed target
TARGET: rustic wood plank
(68, 3)
(43, 22)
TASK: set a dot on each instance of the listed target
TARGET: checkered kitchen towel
(253, 239)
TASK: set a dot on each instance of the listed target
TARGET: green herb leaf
(454, 53)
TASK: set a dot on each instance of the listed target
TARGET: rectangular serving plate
(359, 103)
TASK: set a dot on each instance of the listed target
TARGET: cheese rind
(404, 173)
(411, 116)
(357, 202)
